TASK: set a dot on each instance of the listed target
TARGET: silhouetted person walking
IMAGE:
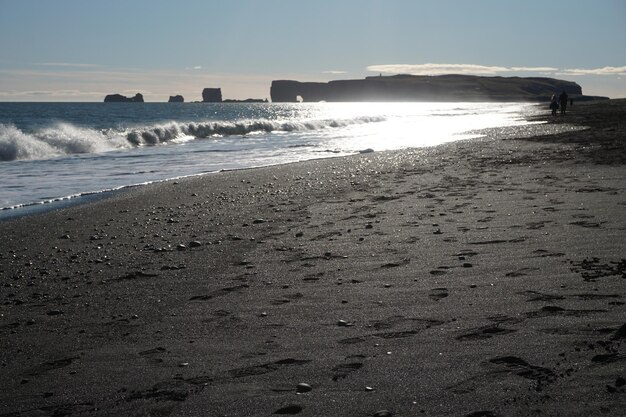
(563, 99)
(554, 104)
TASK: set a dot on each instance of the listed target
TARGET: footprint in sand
(522, 368)
(437, 294)
(343, 370)
(266, 367)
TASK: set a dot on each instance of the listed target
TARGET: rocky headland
(425, 88)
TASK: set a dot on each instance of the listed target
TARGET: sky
(81, 50)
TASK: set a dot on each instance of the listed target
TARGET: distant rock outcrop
(212, 95)
(424, 88)
(176, 99)
(118, 98)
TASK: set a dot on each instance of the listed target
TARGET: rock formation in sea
(424, 88)
(176, 99)
(118, 98)
(212, 95)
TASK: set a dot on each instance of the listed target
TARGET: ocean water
(51, 152)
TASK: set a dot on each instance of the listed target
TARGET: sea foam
(67, 139)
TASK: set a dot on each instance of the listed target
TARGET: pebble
(183, 364)
(181, 247)
(195, 244)
(303, 387)
(383, 413)
(369, 389)
(343, 323)
(258, 221)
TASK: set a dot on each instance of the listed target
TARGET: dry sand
(479, 278)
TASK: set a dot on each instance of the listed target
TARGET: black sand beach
(478, 278)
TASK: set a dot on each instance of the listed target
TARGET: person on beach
(554, 104)
(563, 99)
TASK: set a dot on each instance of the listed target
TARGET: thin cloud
(441, 69)
(67, 65)
(51, 93)
(596, 71)
(533, 69)
(436, 69)
(334, 72)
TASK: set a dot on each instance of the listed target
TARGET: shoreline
(481, 276)
(65, 201)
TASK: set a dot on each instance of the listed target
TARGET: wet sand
(478, 278)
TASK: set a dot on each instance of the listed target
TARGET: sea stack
(176, 99)
(212, 95)
(118, 98)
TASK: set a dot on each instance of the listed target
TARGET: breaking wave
(67, 139)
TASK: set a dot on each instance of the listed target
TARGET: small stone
(437, 232)
(303, 387)
(369, 226)
(258, 221)
(299, 234)
(195, 244)
(369, 389)
(387, 285)
(467, 265)
(181, 247)
(183, 364)
(263, 314)
(383, 413)
(65, 237)
(343, 323)
(472, 285)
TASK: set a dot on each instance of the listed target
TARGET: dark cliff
(118, 98)
(424, 88)
(212, 95)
